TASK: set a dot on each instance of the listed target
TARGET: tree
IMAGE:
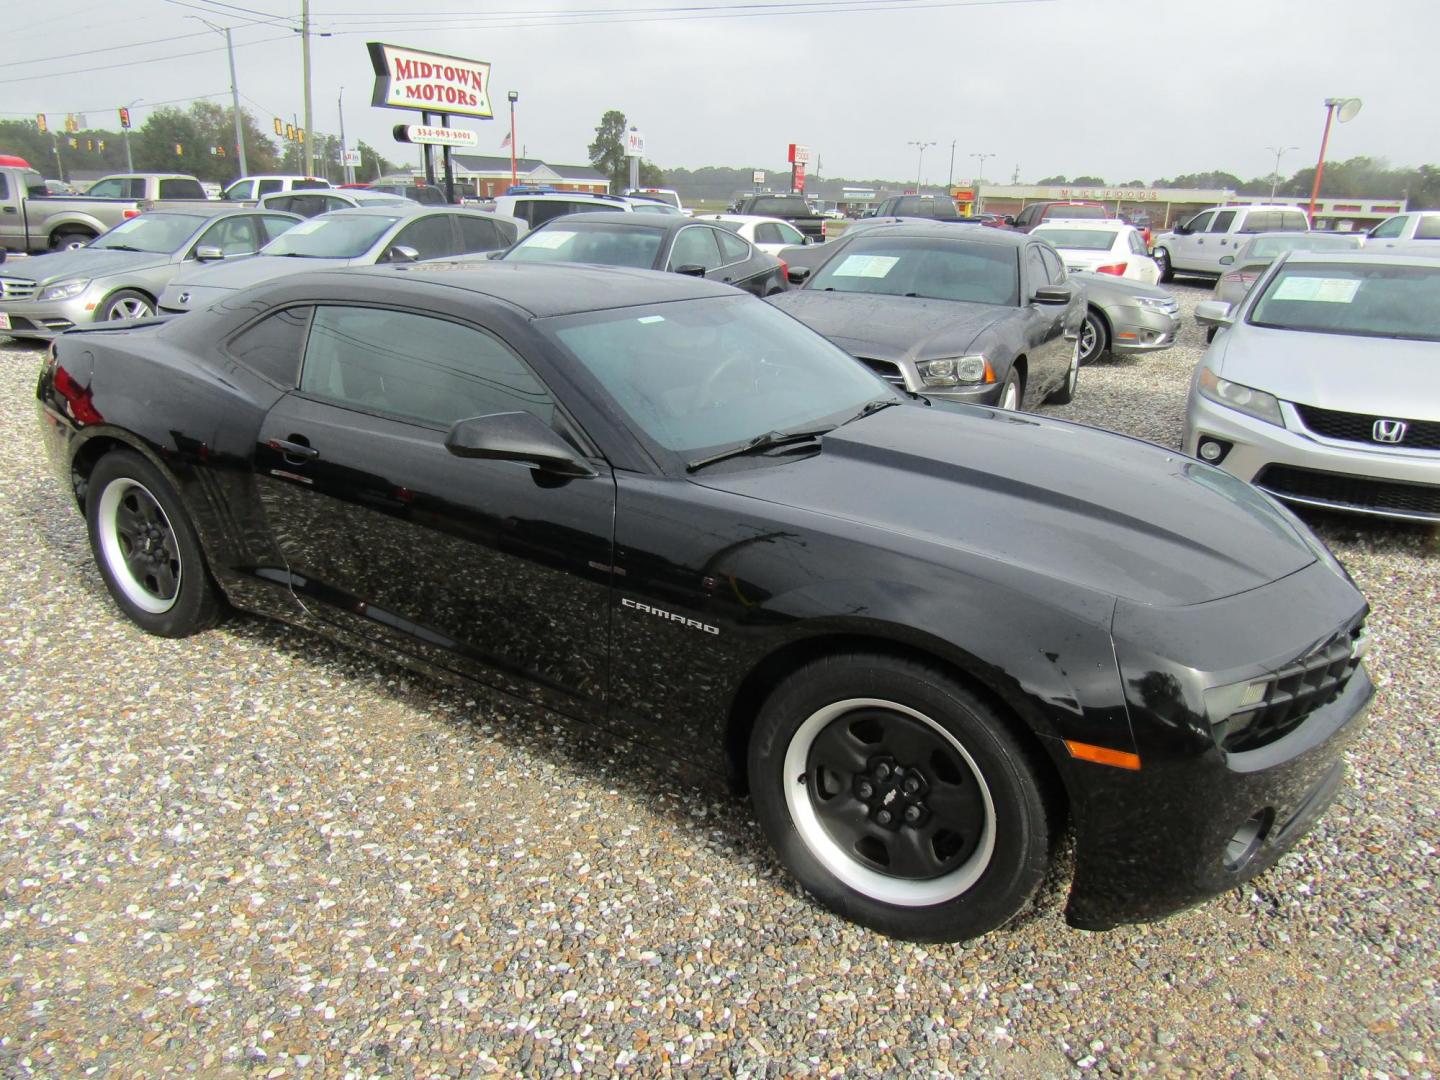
(1051, 181)
(607, 154)
(1087, 181)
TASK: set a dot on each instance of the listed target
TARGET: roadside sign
(634, 144)
(429, 82)
(799, 155)
(351, 157)
(759, 177)
(799, 180)
(427, 135)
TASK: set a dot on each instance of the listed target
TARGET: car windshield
(706, 374)
(1079, 239)
(1267, 247)
(159, 234)
(341, 235)
(608, 245)
(1361, 299)
(1081, 211)
(934, 268)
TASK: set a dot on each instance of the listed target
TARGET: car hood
(1110, 283)
(889, 327)
(1375, 376)
(1116, 515)
(252, 270)
(82, 263)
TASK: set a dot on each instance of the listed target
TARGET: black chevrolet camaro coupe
(929, 639)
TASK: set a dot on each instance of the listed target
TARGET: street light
(1279, 152)
(514, 176)
(234, 93)
(920, 164)
(1344, 109)
(980, 179)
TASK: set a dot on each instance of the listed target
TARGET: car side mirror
(400, 253)
(495, 254)
(691, 270)
(807, 240)
(515, 436)
(797, 275)
(1180, 230)
(1227, 260)
(1053, 294)
(208, 253)
(1213, 313)
(1009, 219)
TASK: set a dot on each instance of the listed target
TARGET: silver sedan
(1320, 386)
(1244, 268)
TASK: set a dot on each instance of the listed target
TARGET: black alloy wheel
(899, 798)
(146, 548)
(1094, 337)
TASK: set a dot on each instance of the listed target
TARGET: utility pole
(345, 170)
(234, 106)
(305, 74)
(980, 179)
(950, 176)
(1279, 152)
(920, 164)
(1015, 176)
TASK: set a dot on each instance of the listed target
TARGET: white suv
(538, 207)
(1198, 245)
(1401, 229)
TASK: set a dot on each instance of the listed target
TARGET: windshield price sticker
(646, 320)
(870, 266)
(550, 239)
(1318, 289)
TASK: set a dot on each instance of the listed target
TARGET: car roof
(1108, 224)
(743, 219)
(546, 289)
(616, 217)
(947, 231)
(1366, 257)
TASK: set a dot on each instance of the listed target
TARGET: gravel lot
(255, 853)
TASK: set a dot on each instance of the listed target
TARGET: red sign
(799, 155)
(799, 182)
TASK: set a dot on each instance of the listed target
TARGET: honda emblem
(1389, 431)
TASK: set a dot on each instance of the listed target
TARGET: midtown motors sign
(429, 82)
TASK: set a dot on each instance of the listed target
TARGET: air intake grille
(1360, 428)
(1420, 501)
(886, 369)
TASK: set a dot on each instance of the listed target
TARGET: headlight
(1243, 399)
(1167, 304)
(954, 370)
(63, 290)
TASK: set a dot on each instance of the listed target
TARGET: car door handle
(294, 452)
(10, 210)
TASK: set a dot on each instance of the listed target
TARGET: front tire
(1094, 337)
(1162, 262)
(898, 798)
(125, 304)
(1012, 393)
(146, 548)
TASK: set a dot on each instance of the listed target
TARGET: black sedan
(929, 640)
(653, 242)
(952, 312)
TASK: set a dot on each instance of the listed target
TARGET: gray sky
(1122, 89)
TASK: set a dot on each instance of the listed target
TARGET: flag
(505, 141)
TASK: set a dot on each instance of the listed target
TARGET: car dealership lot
(257, 849)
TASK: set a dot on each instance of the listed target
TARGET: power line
(282, 21)
(136, 63)
(112, 105)
(106, 48)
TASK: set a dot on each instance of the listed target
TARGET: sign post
(634, 150)
(799, 158)
(431, 82)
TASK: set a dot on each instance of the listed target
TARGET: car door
(743, 265)
(1047, 348)
(431, 237)
(485, 568)
(1188, 248)
(12, 217)
(1215, 242)
(1388, 232)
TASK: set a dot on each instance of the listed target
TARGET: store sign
(350, 157)
(799, 155)
(436, 136)
(634, 144)
(1111, 194)
(758, 177)
(431, 82)
(799, 184)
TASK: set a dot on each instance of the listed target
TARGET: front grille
(1363, 493)
(1293, 693)
(1360, 428)
(17, 289)
(888, 370)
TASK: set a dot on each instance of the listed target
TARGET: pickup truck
(33, 221)
(791, 208)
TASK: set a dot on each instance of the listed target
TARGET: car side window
(272, 346)
(694, 246)
(1054, 268)
(334, 202)
(539, 211)
(238, 190)
(1200, 222)
(267, 186)
(233, 236)
(107, 189)
(1035, 275)
(732, 248)
(477, 234)
(1388, 230)
(789, 234)
(180, 187)
(1137, 244)
(1260, 221)
(767, 233)
(432, 236)
(1222, 221)
(272, 225)
(416, 367)
(4, 186)
(1428, 227)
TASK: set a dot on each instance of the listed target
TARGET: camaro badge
(1389, 431)
(693, 623)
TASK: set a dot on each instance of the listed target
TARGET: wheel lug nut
(912, 814)
(882, 771)
(912, 785)
(884, 817)
(865, 789)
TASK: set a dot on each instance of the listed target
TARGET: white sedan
(766, 233)
(1102, 247)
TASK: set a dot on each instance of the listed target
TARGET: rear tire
(851, 738)
(69, 241)
(1066, 392)
(146, 548)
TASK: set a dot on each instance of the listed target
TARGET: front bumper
(1300, 467)
(47, 319)
(1196, 819)
(1136, 330)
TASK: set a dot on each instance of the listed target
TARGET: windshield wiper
(871, 407)
(760, 442)
(117, 247)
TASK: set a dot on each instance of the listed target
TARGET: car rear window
(181, 188)
(1360, 299)
(1080, 212)
(1079, 239)
(778, 207)
(1429, 228)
